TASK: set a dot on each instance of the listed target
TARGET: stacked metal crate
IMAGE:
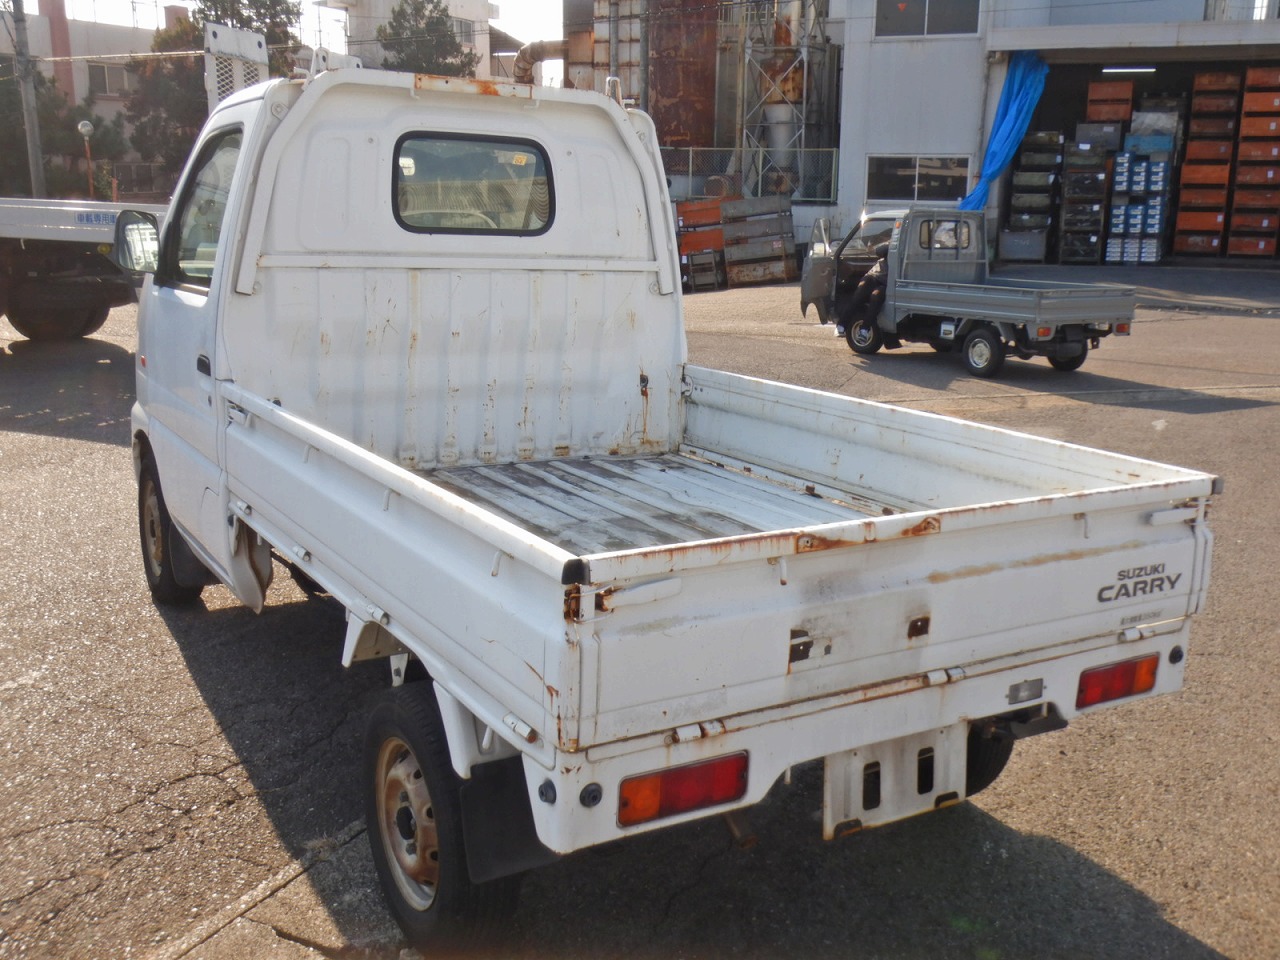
(1207, 163)
(1028, 232)
(1084, 197)
(1255, 204)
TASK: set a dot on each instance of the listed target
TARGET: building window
(465, 31)
(919, 18)
(111, 80)
(917, 178)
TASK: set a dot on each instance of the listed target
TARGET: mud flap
(249, 570)
(497, 822)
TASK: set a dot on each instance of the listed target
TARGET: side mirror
(137, 246)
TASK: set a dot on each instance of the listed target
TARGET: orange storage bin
(1259, 127)
(1252, 246)
(1259, 149)
(1197, 243)
(1257, 198)
(1203, 197)
(1257, 175)
(1210, 150)
(1260, 222)
(1216, 81)
(1208, 173)
(1202, 221)
(1212, 126)
(1263, 102)
(1214, 103)
(1262, 77)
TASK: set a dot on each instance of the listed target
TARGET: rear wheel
(414, 815)
(1067, 364)
(93, 323)
(863, 336)
(983, 352)
(50, 310)
(156, 532)
(52, 325)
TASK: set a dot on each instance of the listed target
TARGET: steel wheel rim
(862, 335)
(407, 825)
(980, 352)
(152, 538)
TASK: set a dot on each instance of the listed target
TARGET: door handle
(203, 365)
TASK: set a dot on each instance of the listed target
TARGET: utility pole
(27, 90)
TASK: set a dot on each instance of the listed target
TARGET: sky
(526, 20)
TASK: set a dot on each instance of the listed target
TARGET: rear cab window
(944, 235)
(454, 183)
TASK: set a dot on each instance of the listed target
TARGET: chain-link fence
(702, 172)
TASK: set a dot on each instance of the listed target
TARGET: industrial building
(853, 105)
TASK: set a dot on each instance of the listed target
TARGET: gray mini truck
(939, 292)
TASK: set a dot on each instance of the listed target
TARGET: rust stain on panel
(926, 526)
(682, 77)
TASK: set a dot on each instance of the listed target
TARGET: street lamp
(86, 131)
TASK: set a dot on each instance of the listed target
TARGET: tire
(47, 312)
(413, 812)
(988, 756)
(52, 325)
(863, 336)
(155, 531)
(1067, 364)
(983, 352)
(97, 318)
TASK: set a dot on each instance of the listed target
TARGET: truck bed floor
(598, 505)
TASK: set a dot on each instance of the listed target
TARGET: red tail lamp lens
(1116, 680)
(665, 793)
(1122, 328)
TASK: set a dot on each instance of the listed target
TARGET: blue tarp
(1022, 88)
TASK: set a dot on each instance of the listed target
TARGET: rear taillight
(1117, 680)
(665, 793)
(1122, 329)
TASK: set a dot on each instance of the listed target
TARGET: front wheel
(414, 816)
(1067, 364)
(863, 336)
(983, 352)
(155, 529)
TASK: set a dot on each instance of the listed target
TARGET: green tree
(169, 104)
(60, 140)
(419, 38)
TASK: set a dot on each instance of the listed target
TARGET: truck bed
(595, 505)
(1017, 301)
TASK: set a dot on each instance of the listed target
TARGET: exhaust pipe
(531, 54)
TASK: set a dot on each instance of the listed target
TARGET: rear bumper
(890, 723)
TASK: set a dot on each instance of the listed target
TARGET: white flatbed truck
(58, 278)
(421, 341)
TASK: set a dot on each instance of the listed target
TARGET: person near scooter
(869, 295)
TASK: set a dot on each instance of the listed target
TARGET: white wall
(904, 95)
